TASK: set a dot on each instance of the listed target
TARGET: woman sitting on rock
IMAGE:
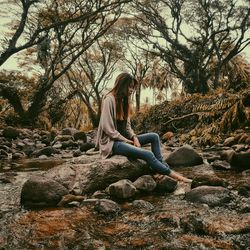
(115, 135)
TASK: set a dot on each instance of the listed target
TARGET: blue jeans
(153, 158)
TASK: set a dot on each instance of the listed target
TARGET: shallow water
(29, 165)
(174, 223)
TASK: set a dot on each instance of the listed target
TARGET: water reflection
(29, 165)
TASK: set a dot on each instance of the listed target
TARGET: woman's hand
(136, 142)
(130, 142)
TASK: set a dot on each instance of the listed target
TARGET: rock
(212, 196)
(3, 154)
(203, 169)
(68, 131)
(39, 191)
(80, 135)
(77, 153)
(244, 186)
(100, 195)
(229, 141)
(48, 151)
(216, 225)
(69, 198)
(17, 156)
(65, 175)
(240, 161)
(182, 188)
(86, 146)
(145, 183)
(208, 180)
(11, 133)
(184, 156)
(46, 140)
(92, 151)
(29, 149)
(240, 147)
(92, 173)
(62, 138)
(211, 157)
(144, 205)
(243, 138)
(227, 155)
(122, 189)
(166, 184)
(106, 206)
(5, 148)
(8, 177)
(244, 190)
(69, 144)
(221, 165)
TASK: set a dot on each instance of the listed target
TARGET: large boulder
(39, 191)
(184, 156)
(87, 174)
(212, 196)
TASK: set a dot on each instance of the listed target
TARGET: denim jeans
(153, 157)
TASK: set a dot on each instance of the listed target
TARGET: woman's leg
(122, 148)
(154, 139)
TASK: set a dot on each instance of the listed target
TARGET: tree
(195, 38)
(92, 71)
(63, 31)
(136, 59)
(138, 62)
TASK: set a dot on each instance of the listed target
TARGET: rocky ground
(56, 193)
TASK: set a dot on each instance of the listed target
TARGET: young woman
(115, 135)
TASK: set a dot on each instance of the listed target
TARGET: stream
(172, 223)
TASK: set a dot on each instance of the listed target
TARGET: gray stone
(68, 131)
(48, 151)
(144, 205)
(212, 196)
(166, 185)
(11, 133)
(145, 183)
(106, 206)
(39, 191)
(122, 189)
(80, 135)
(184, 156)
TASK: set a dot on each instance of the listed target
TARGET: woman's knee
(154, 136)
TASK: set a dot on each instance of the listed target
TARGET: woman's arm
(107, 121)
(132, 134)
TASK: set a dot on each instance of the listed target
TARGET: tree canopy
(75, 47)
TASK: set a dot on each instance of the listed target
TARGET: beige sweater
(107, 131)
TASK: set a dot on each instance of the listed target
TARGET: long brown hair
(120, 92)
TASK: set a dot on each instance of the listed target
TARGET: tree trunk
(95, 118)
(138, 98)
(11, 94)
